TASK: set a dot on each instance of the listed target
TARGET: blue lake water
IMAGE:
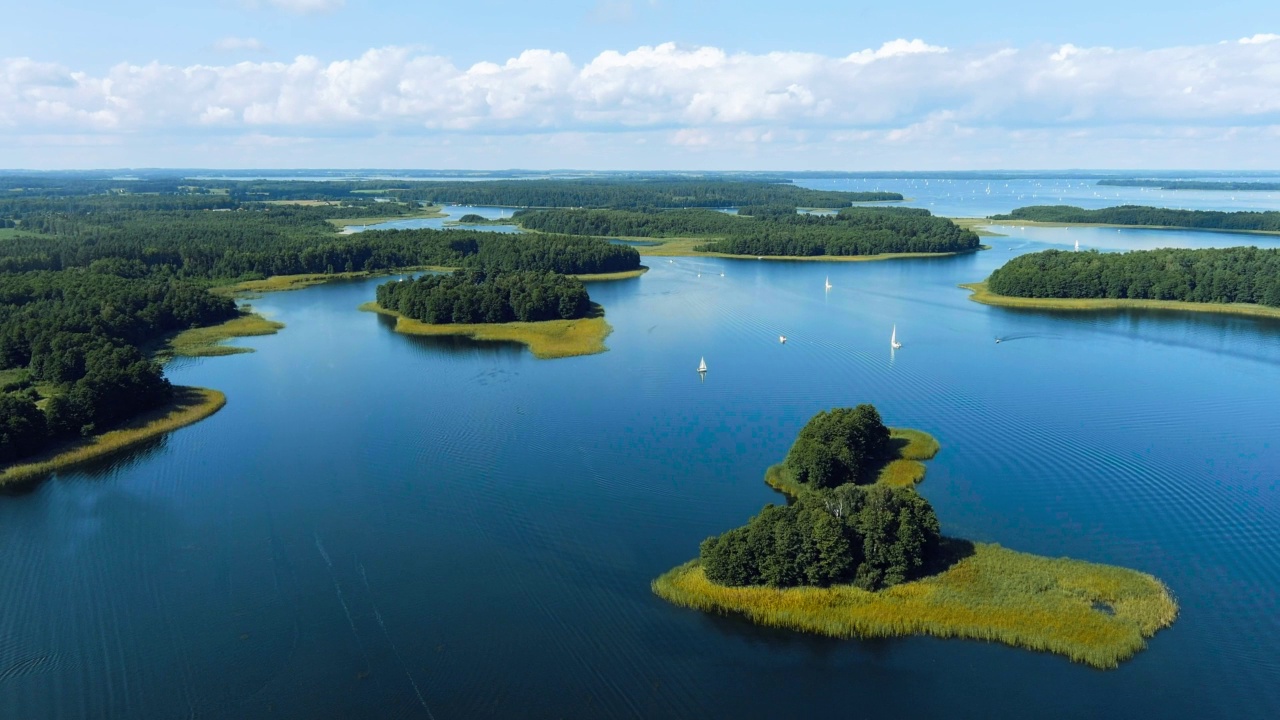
(386, 526)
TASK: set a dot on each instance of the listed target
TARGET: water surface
(382, 525)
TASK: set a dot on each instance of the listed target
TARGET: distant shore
(189, 405)
(1119, 226)
(683, 247)
(981, 294)
(547, 340)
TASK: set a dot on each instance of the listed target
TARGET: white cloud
(239, 44)
(902, 93)
(1259, 39)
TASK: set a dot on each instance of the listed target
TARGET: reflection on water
(412, 524)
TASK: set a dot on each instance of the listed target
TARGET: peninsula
(858, 555)
(1145, 217)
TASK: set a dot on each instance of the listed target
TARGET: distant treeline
(1226, 275)
(838, 531)
(1143, 215)
(771, 230)
(73, 337)
(630, 194)
(472, 296)
(1194, 185)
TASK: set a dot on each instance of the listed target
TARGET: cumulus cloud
(1259, 39)
(239, 44)
(905, 90)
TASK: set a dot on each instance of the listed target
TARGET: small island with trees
(1237, 280)
(550, 313)
(860, 554)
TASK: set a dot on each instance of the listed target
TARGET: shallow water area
(391, 525)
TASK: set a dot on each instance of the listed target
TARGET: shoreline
(1119, 226)
(547, 340)
(980, 294)
(683, 247)
(189, 405)
(282, 283)
(207, 341)
(427, 213)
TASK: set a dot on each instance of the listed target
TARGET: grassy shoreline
(981, 294)
(1040, 223)
(190, 405)
(547, 340)
(282, 283)
(1092, 613)
(207, 341)
(425, 213)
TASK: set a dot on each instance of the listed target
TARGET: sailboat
(828, 282)
(893, 339)
(702, 366)
(1077, 244)
(782, 339)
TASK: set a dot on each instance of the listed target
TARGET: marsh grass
(546, 340)
(601, 277)
(982, 294)
(426, 212)
(206, 341)
(189, 405)
(1094, 614)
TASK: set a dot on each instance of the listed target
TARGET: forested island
(550, 313)
(857, 556)
(1241, 280)
(1224, 185)
(769, 230)
(1141, 215)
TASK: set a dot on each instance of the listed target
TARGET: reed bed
(546, 340)
(190, 405)
(1094, 614)
(207, 341)
(982, 294)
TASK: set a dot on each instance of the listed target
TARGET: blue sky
(643, 84)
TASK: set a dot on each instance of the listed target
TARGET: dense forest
(1143, 215)
(771, 229)
(70, 343)
(1226, 275)
(476, 296)
(840, 532)
(1194, 185)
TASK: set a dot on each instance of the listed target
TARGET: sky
(640, 85)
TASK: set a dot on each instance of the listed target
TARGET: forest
(770, 229)
(94, 279)
(1143, 215)
(1225, 275)
(838, 532)
(477, 296)
(1194, 185)
(70, 343)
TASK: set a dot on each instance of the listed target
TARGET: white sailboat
(702, 366)
(828, 282)
(1077, 244)
(893, 339)
(782, 339)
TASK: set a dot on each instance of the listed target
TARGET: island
(1145, 217)
(858, 554)
(1238, 280)
(550, 313)
(771, 231)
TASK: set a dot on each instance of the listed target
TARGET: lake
(383, 525)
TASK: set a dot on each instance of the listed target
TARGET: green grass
(207, 341)
(625, 275)
(546, 340)
(426, 212)
(1094, 614)
(14, 233)
(978, 226)
(190, 404)
(982, 294)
